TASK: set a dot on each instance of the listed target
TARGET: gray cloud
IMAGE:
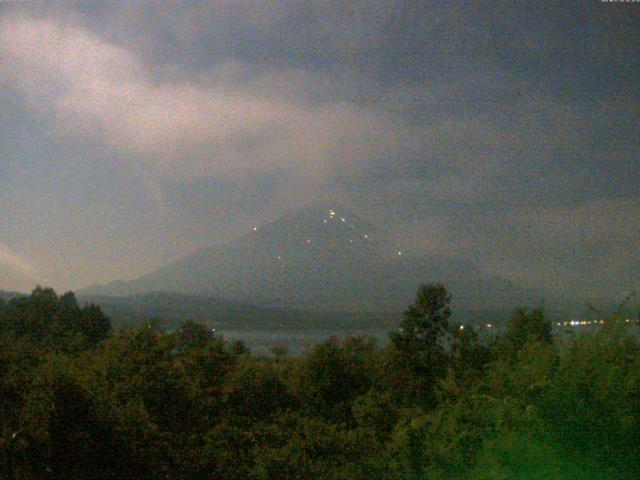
(220, 124)
(17, 266)
(499, 133)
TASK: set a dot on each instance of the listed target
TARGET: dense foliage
(80, 402)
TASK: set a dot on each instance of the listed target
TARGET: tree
(419, 358)
(468, 356)
(56, 322)
(528, 326)
(425, 321)
(333, 375)
(280, 352)
(95, 325)
(193, 335)
(238, 347)
(38, 311)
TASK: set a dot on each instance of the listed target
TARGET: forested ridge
(81, 401)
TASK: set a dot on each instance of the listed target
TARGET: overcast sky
(132, 133)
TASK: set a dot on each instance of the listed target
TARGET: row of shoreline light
(582, 323)
(569, 323)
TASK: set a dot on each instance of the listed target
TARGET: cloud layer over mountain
(135, 133)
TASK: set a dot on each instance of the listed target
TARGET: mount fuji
(324, 258)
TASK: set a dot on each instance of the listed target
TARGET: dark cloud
(501, 132)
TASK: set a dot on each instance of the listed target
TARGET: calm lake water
(298, 342)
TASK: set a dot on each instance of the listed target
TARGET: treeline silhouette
(78, 401)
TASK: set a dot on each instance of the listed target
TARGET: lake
(298, 342)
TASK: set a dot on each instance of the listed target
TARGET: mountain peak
(328, 225)
(322, 257)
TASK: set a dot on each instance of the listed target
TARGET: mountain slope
(323, 258)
